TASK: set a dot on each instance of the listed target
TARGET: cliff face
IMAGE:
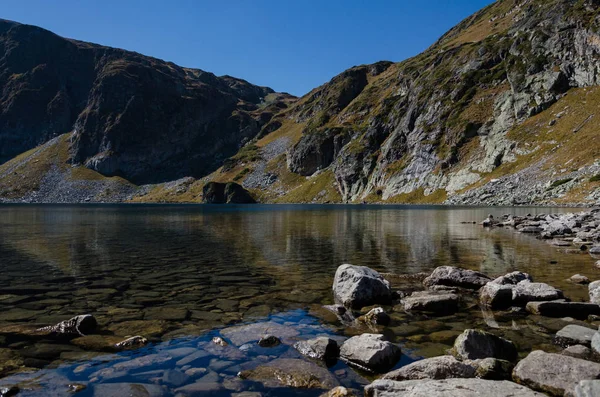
(502, 109)
(439, 123)
(134, 116)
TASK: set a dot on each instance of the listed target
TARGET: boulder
(370, 352)
(321, 348)
(526, 291)
(442, 367)
(496, 296)
(555, 374)
(594, 291)
(595, 344)
(431, 301)
(513, 278)
(456, 277)
(447, 388)
(579, 279)
(475, 344)
(574, 335)
(359, 286)
(558, 309)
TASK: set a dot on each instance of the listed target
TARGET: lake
(182, 274)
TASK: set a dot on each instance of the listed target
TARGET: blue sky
(291, 46)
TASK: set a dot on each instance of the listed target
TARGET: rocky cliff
(502, 109)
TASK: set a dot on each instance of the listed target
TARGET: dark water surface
(180, 275)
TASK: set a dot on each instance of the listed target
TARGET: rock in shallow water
(475, 344)
(241, 334)
(442, 367)
(291, 373)
(370, 352)
(554, 374)
(456, 277)
(574, 335)
(431, 301)
(321, 348)
(447, 388)
(359, 286)
(79, 325)
(558, 309)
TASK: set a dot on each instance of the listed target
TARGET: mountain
(502, 109)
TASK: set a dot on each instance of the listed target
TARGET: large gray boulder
(447, 388)
(475, 344)
(442, 367)
(370, 352)
(502, 292)
(557, 309)
(432, 301)
(573, 334)
(555, 374)
(359, 286)
(321, 348)
(451, 276)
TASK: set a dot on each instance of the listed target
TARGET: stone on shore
(370, 352)
(442, 367)
(493, 369)
(359, 286)
(578, 351)
(456, 277)
(574, 335)
(558, 309)
(475, 344)
(526, 291)
(448, 388)
(431, 301)
(555, 374)
(595, 344)
(321, 348)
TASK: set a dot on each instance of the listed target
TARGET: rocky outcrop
(370, 352)
(226, 193)
(554, 374)
(359, 286)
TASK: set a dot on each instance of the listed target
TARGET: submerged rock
(359, 286)
(79, 325)
(376, 316)
(242, 334)
(132, 343)
(448, 388)
(442, 367)
(291, 373)
(554, 374)
(456, 277)
(127, 389)
(321, 348)
(269, 341)
(475, 344)
(370, 352)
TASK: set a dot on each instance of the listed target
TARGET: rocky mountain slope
(502, 109)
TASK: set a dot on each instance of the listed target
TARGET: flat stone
(559, 309)
(442, 367)
(321, 348)
(574, 335)
(554, 374)
(526, 291)
(447, 388)
(429, 301)
(127, 389)
(578, 351)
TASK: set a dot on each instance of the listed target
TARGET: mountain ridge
(460, 123)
